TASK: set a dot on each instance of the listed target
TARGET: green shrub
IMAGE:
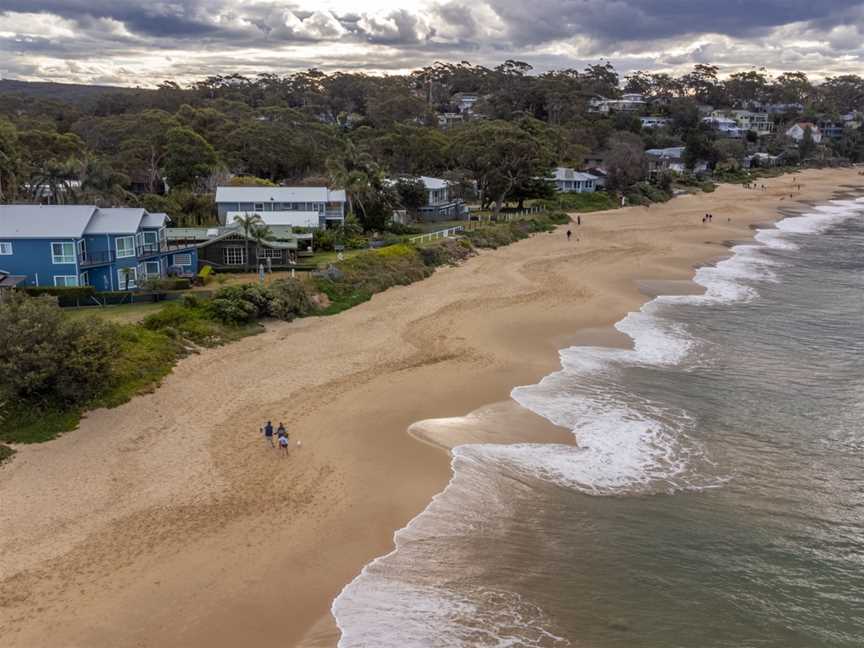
(70, 292)
(240, 304)
(358, 278)
(449, 251)
(169, 283)
(49, 358)
(289, 298)
(5, 452)
(581, 202)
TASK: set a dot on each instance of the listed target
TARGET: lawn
(120, 314)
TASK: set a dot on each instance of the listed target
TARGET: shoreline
(297, 537)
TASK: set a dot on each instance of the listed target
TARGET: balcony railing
(150, 249)
(89, 259)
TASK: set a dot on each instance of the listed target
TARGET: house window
(84, 279)
(234, 255)
(63, 252)
(270, 253)
(151, 238)
(259, 207)
(152, 269)
(5, 248)
(183, 259)
(125, 246)
(127, 278)
(66, 280)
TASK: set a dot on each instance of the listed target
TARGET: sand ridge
(168, 522)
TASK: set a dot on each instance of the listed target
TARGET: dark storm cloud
(161, 19)
(641, 20)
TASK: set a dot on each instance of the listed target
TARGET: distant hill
(68, 92)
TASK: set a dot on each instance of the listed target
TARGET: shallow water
(716, 495)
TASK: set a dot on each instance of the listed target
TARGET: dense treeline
(167, 148)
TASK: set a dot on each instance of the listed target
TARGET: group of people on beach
(707, 218)
(282, 439)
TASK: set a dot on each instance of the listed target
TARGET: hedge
(71, 292)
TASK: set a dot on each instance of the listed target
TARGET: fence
(507, 216)
(440, 234)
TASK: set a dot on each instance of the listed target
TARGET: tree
(46, 357)
(807, 145)
(248, 223)
(9, 160)
(625, 162)
(261, 234)
(412, 193)
(699, 147)
(188, 158)
(499, 155)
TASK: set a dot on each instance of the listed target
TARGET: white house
(758, 122)
(725, 126)
(796, 132)
(440, 204)
(569, 181)
(464, 102)
(630, 102)
(655, 122)
(294, 206)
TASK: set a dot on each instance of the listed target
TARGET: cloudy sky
(142, 42)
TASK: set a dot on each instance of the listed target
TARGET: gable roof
(44, 221)
(278, 194)
(155, 220)
(433, 183)
(671, 152)
(120, 220)
(566, 173)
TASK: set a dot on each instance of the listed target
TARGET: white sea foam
(625, 444)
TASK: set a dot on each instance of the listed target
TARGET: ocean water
(715, 497)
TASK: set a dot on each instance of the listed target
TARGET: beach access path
(168, 521)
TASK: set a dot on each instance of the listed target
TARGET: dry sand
(168, 522)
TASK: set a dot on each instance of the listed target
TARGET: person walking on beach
(569, 234)
(268, 433)
(283, 444)
(578, 219)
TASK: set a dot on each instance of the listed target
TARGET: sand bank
(168, 522)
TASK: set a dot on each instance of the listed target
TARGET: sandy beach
(169, 522)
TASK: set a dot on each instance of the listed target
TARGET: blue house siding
(93, 254)
(33, 259)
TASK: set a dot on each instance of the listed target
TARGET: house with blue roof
(82, 245)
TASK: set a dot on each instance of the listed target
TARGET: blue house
(82, 245)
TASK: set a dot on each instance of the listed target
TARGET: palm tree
(261, 234)
(351, 171)
(248, 223)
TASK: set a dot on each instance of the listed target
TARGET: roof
(278, 194)
(155, 220)
(226, 232)
(671, 152)
(565, 173)
(44, 221)
(10, 281)
(120, 220)
(433, 183)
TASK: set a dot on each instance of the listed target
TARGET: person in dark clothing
(268, 433)
(578, 220)
(569, 234)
